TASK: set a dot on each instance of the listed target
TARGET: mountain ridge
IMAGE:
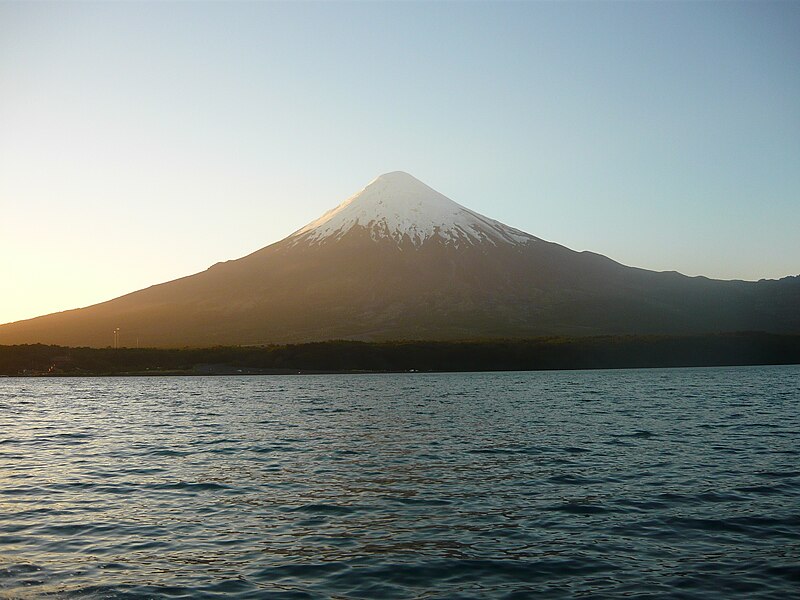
(398, 260)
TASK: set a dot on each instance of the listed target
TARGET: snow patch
(399, 206)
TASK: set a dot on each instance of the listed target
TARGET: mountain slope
(398, 260)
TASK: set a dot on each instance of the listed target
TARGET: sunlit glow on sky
(140, 142)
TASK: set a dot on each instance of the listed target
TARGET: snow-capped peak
(398, 206)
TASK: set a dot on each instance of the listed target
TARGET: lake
(623, 483)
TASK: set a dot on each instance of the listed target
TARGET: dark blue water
(651, 483)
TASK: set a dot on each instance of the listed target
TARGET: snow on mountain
(398, 206)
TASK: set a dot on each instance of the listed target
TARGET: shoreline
(351, 357)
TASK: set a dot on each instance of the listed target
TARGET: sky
(141, 142)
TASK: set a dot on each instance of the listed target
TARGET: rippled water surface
(648, 483)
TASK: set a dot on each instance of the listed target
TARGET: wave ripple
(680, 483)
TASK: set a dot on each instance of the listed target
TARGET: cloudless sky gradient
(140, 142)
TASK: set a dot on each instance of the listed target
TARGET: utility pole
(116, 338)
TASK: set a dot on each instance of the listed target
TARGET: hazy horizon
(146, 142)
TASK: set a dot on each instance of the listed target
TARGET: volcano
(398, 260)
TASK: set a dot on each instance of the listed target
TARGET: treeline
(335, 356)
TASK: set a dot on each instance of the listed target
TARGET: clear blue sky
(141, 142)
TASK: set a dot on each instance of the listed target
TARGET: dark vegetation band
(545, 353)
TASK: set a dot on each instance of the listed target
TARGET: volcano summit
(399, 260)
(400, 207)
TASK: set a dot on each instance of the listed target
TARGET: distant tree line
(350, 356)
